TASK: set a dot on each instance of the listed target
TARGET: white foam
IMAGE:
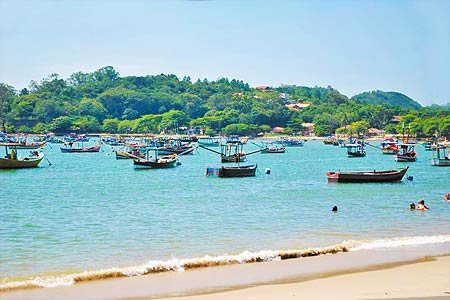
(179, 265)
(397, 242)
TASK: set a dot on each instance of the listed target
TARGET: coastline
(216, 282)
(421, 279)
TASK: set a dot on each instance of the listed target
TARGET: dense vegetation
(102, 101)
(392, 99)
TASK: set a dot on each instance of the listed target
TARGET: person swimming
(334, 209)
(421, 205)
(412, 206)
(447, 197)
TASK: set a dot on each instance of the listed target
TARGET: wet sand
(405, 272)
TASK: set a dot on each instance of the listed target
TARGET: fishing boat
(291, 142)
(267, 148)
(32, 145)
(367, 176)
(389, 146)
(328, 141)
(441, 157)
(356, 150)
(155, 162)
(428, 145)
(231, 152)
(12, 161)
(128, 152)
(210, 141)
(237, 171)
(273, 149)
(173, 146)
(70, 149)
(406, 153)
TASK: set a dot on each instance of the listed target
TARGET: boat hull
(356, 154)
(440, 162)
(273, 150)
(241, 171)
(370, 176)
(31, 146)
(169, 151)
(162, 163)
(81, 150)
(403, 158)
(20, 164)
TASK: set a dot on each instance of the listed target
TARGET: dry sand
(425, 280)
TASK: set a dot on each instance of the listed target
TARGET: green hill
(393, 99)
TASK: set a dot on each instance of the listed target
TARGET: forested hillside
(388, 99)
(102, 101)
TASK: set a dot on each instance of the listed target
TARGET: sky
(353, 46)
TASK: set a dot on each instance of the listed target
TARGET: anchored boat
(441, 157)
(12, 161)
(70, 149)
(367, 176)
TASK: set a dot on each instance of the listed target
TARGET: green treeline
(102, 101)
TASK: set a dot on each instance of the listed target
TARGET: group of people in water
(421, 204)
(412, 206)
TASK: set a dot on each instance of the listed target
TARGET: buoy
(410, 178)
(267, 171)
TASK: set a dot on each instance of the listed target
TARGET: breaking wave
(210, 261)
(396, 242)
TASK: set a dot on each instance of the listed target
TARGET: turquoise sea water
(89, 211)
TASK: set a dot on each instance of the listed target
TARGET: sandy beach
(421, 280)
(398, 273)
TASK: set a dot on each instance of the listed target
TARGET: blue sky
(354, 46)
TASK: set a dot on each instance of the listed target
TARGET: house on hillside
(375, 132)
(309, 129)
(264, 88)
(396, 119)
(298, 106)
(278, 130)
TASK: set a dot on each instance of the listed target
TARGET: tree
(358, 127)
(7, 94)
(61, 125)
(110, 125)
(92, 107)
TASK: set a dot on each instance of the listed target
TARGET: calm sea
(90, 211)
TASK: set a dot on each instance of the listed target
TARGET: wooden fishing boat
(163, 162)
(406, 153)
(238, 171)
(210, 141)
(12, 161)
(129, 151)
(389, 146)
(70, 149)
(273, 150)
(290, 142)
(328, 141)
(367, 176)
(176, 150)
(32, 145)
(441, 157)
(356, 150)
